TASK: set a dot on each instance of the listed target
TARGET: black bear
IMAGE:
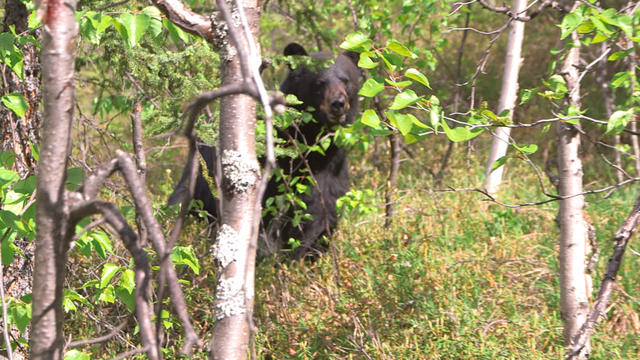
(331, 94)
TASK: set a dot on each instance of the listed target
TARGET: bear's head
(331, 92)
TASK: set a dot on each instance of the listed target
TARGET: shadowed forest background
(425, 262)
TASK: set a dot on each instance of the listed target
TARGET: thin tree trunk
(573, 234)
(236, 250)
(53, 237)
(508, 95)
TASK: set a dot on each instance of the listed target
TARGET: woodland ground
(455, 277)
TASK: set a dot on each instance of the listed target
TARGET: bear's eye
(344, 79)
(321, 82)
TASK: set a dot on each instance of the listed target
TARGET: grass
(456, 277)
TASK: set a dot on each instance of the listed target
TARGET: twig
(129, 353)
(99, 339)
(145, 210)
(135, 83)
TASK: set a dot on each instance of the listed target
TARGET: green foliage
(16, 103)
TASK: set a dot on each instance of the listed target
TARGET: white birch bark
(573, 234)
(508, 95)
(235, 249)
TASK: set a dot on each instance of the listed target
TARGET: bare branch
(144, 209)
(186, 19)
(114, 218)
(99, 339)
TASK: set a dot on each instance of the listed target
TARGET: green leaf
(603, 28)
(618, 121)
(11, 55)
(621, 79)
(184, 255)
(527, 149)
(7, 177)
(108, 294)
(460, 133)
(527, 94)
(620, 54)
(127, 280)
(16, 103)
(570, 23)
(69, 298)
(177, 35)
(371, 119)
(388, 63)
(400, 49)
(132, 27)
(166, 320)
(101, 243)
(557, 84)
(371, 88)
(19, 314)
(108, 272)
(152, 11)
(417, 76)
(499, 162)
(127, 298)
(402, 122)
(400, 84)
(489, 115)
(356, 41)
(8, 248)
(365, 61)
(405, 98)
(76, 355)
(625, 22)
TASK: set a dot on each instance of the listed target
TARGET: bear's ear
(354, 56)
(294, 49)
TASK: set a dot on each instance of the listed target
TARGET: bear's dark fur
(332, 93)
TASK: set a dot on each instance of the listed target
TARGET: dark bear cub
(332, 95)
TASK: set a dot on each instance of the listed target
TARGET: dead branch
(99, 339)
(144, 209)
(83, 208)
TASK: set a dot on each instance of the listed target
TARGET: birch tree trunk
(573, 234)
(508, 95)
(53, 237)
(236, 249)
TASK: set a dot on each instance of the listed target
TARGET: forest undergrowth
(455, 277)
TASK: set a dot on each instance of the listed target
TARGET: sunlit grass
(456, 277)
